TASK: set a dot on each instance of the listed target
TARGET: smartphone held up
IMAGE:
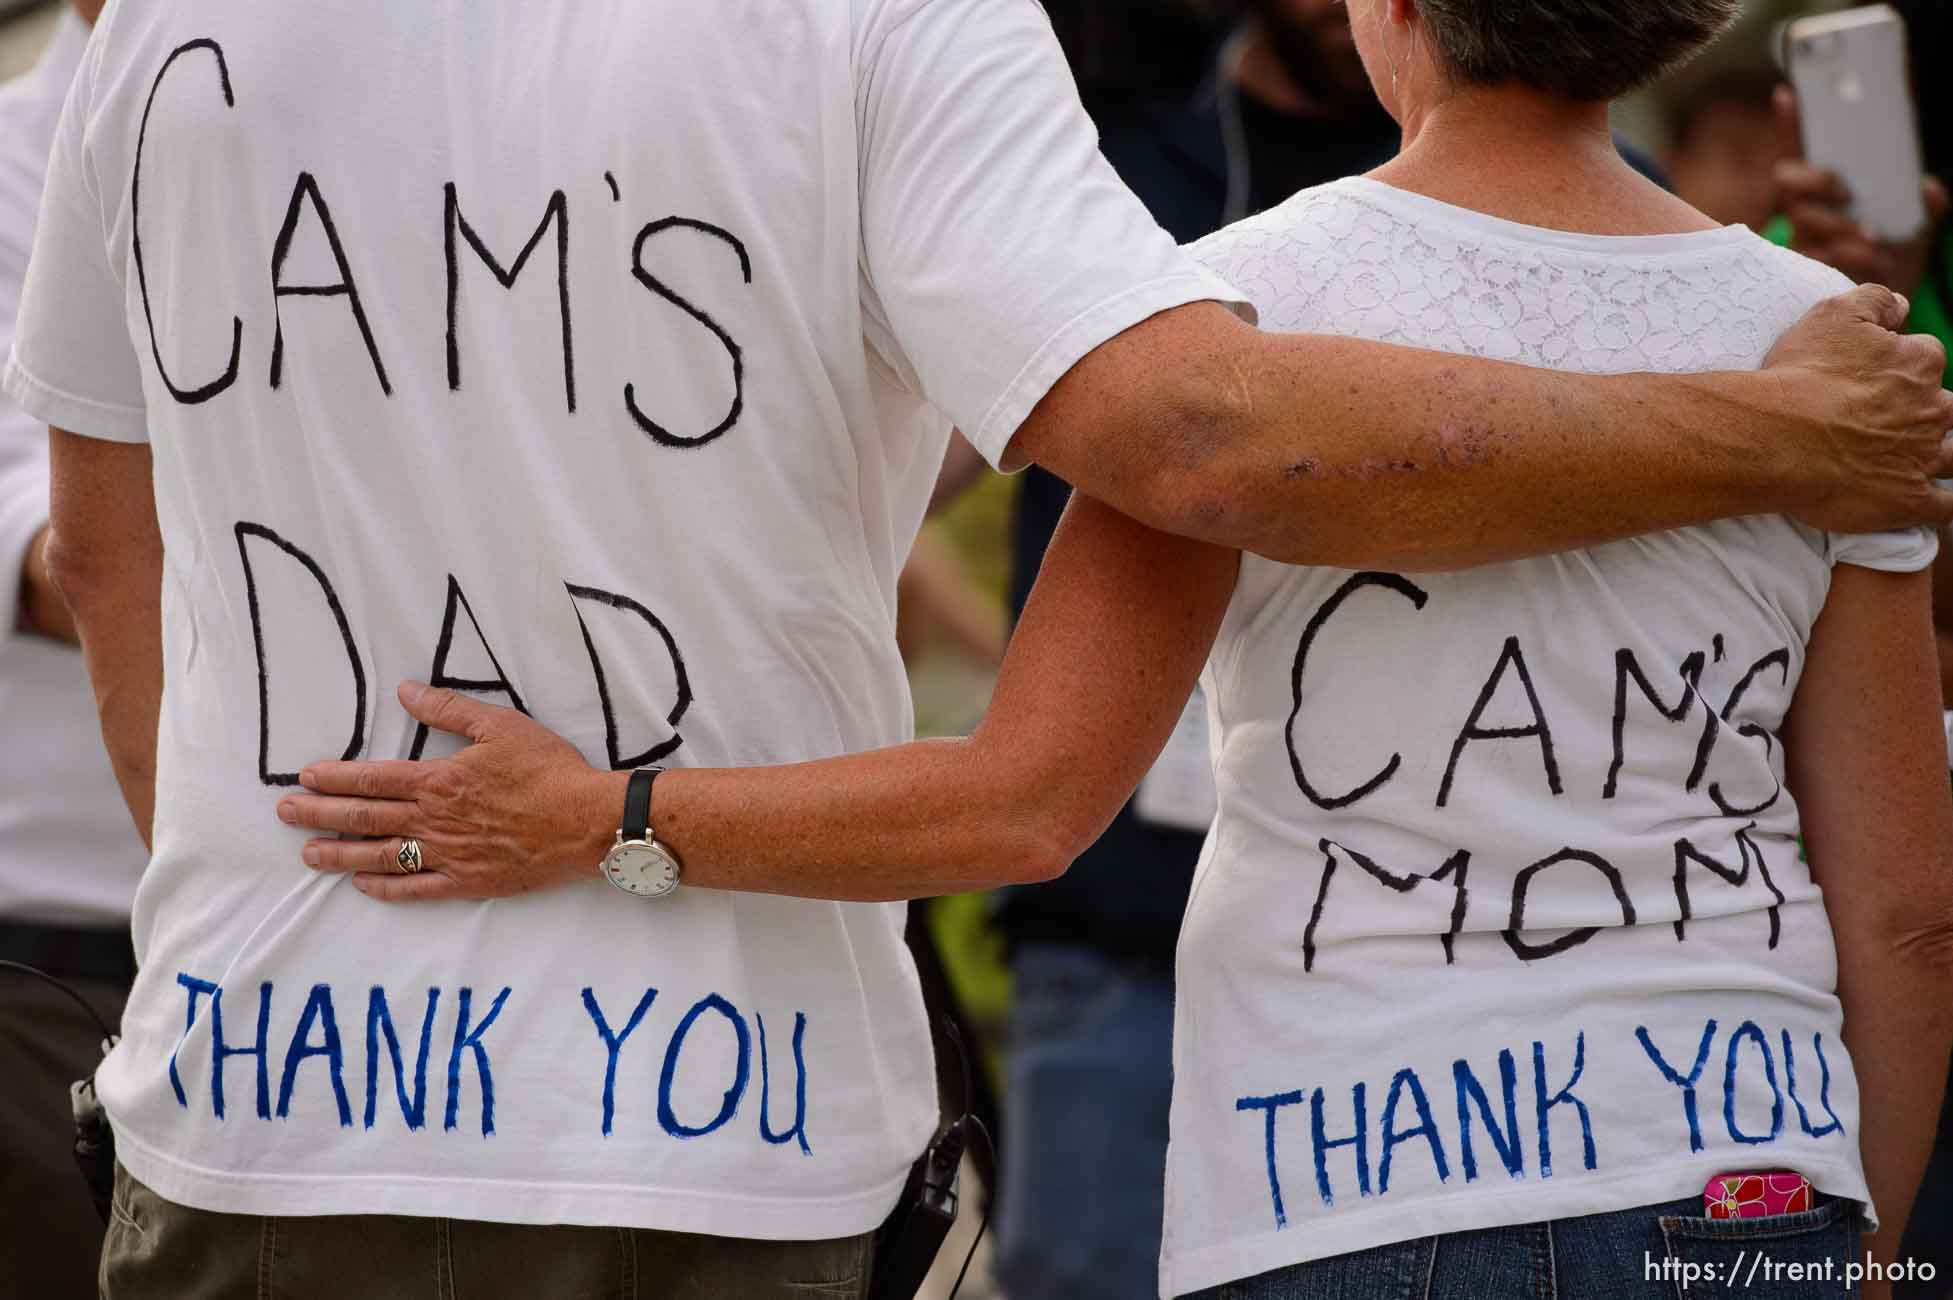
(1857, 115)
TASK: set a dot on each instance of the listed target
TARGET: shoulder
(1279, 255)
(971, 22)
(1314, 218)
(1808, 281)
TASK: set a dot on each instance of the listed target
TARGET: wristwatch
(638, 864)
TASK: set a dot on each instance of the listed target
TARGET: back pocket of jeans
(1783, 1256)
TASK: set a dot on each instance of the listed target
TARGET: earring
(1395, 71)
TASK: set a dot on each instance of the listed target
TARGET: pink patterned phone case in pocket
(1756, 1196)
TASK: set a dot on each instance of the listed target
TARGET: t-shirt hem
(490, 1200)
(1081, 335)
(108, 421)
(1182, 1272)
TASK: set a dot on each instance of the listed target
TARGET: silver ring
(408, 861)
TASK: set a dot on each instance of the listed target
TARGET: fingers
(1844, 244)
(1943, 467)
(350, 816)
(1923, 358)
(1818, 204)
(1799, 182)
(427, 887)
(1789, 123)
(1877, 304)
(352, 855)
(1838, 241)
(380, 859)
(450, 711)
(1940, 506)
(1936, 199)
(379, 779)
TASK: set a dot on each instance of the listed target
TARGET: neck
(1512, 123)
(1532, 158)
(1262, 76)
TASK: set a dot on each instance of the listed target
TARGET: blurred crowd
(1211, 110)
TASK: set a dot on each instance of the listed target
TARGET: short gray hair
(1583, 49)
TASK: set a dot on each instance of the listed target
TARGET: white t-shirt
(598, 357)
(1496, 924)
(68, 852)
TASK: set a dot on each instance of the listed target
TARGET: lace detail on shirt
(1338, 259)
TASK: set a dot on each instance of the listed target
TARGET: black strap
(637, 803)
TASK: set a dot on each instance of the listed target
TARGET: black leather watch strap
(637, 804)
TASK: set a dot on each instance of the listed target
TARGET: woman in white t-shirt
(1503, 944)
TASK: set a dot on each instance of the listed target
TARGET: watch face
(643, 869)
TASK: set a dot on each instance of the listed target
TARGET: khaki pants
(158, 1250)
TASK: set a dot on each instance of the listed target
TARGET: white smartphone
(1855, 102)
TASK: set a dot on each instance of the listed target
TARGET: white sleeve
(998, 246)
(1906, 551)
(1903, 552)
(74, 364)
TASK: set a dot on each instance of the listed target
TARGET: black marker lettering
(306, 189)
(1454, 866)
(1780, 660)
(1574, 938)
(618, 762)
(1512, 656)
(658, 432)
(498, 684)
(558, 213)
(358, 741)
(187, 396)
(1410, 591)
(1627, 666)
(1747, 853)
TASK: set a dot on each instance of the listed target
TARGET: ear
(1403, 13)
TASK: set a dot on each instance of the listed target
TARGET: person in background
(69, 856)
(1817, 223)
(1283, 104)
(1725, 142)
(1815, 203)
(1120, 49)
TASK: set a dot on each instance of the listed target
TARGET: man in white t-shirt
(597, 360)
(69, 859)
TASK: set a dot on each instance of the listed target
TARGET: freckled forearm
(1866, 762)
(1425, 461)
(1898, 1026)
(105, 556)
(914, 821)
(1313, 449)
(120, 631)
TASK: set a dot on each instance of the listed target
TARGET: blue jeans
(1085, 1116)
(1628, 1255)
